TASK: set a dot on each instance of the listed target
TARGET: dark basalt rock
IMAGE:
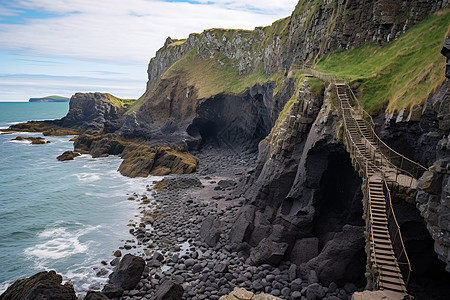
(169, 290)
(112, 291)
(342, 259)
(128, 273)
(95, 296)
(43, 285)
(93, 111)
(210, 231)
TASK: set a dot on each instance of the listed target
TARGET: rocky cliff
(218, 65)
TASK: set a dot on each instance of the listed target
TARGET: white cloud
(129, 30)
(116, 32)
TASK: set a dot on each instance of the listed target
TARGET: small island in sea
(50, 99)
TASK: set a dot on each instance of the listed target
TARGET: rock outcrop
(97, 111)
(34, 140)
(139, 158)
(43, 285)
(68, 155)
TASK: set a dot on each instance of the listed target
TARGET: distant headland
(50, 99)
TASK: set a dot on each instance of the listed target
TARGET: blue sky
(60, 47)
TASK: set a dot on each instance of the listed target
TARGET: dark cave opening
(339, 197)
(338, 203)
(428, 280)
(204, 128)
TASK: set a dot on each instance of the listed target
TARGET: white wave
(59, 242)
(88, 177)
(20, 141)
(57, 248)
(4, 285)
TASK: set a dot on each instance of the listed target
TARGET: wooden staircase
(372, 165)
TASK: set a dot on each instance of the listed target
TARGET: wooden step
(392, 287)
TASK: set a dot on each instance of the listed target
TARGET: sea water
(66, 216)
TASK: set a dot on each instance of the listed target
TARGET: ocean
(65, 216)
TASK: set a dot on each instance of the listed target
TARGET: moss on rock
(139, 158)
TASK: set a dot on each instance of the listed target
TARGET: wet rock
(34, 140)
(169, 290)
(95, 296)
(112, 291)
(43, 285)
(128, 273)
(67, 155)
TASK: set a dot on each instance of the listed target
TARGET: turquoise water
(67, 216)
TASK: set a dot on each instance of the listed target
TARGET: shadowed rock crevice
(235, 121)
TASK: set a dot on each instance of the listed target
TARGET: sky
(60, 47)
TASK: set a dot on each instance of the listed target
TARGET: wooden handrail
(363, 164)
(418, 167)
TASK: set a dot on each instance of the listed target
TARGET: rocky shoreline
(186, 239)
(183, 236)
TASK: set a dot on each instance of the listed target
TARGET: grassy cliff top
(399, 75)
(214, 76)
(118, 101)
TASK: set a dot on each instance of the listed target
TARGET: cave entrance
(204, 128)
(339, 197)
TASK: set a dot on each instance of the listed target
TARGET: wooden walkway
(376, 168)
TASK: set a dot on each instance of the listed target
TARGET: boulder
(210, 231)
(341, 260)
(128, 273)
(112, 291)
(43, 285)
(304, 250)
(95, 296)
(169, 290)
(243, 225)
(68, 155)
(268, 251)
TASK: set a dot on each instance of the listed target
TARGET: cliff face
(186, 74)
(303, 194)
(314, 28)
(98, 111)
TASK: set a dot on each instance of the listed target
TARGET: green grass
(399, 75)
(210, 77)
(300, 78)
(118, 101)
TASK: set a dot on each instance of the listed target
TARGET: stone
(128, 273)
(95, 296)
(112, 291)
(210, 231)
(304, 250)
(67, 155)
(268, 251)
(430, 182)
(341, 260)
(221, 268)
(314, 291)
(117, 253)
(169, 290)
(243, 226)
(43, 285)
